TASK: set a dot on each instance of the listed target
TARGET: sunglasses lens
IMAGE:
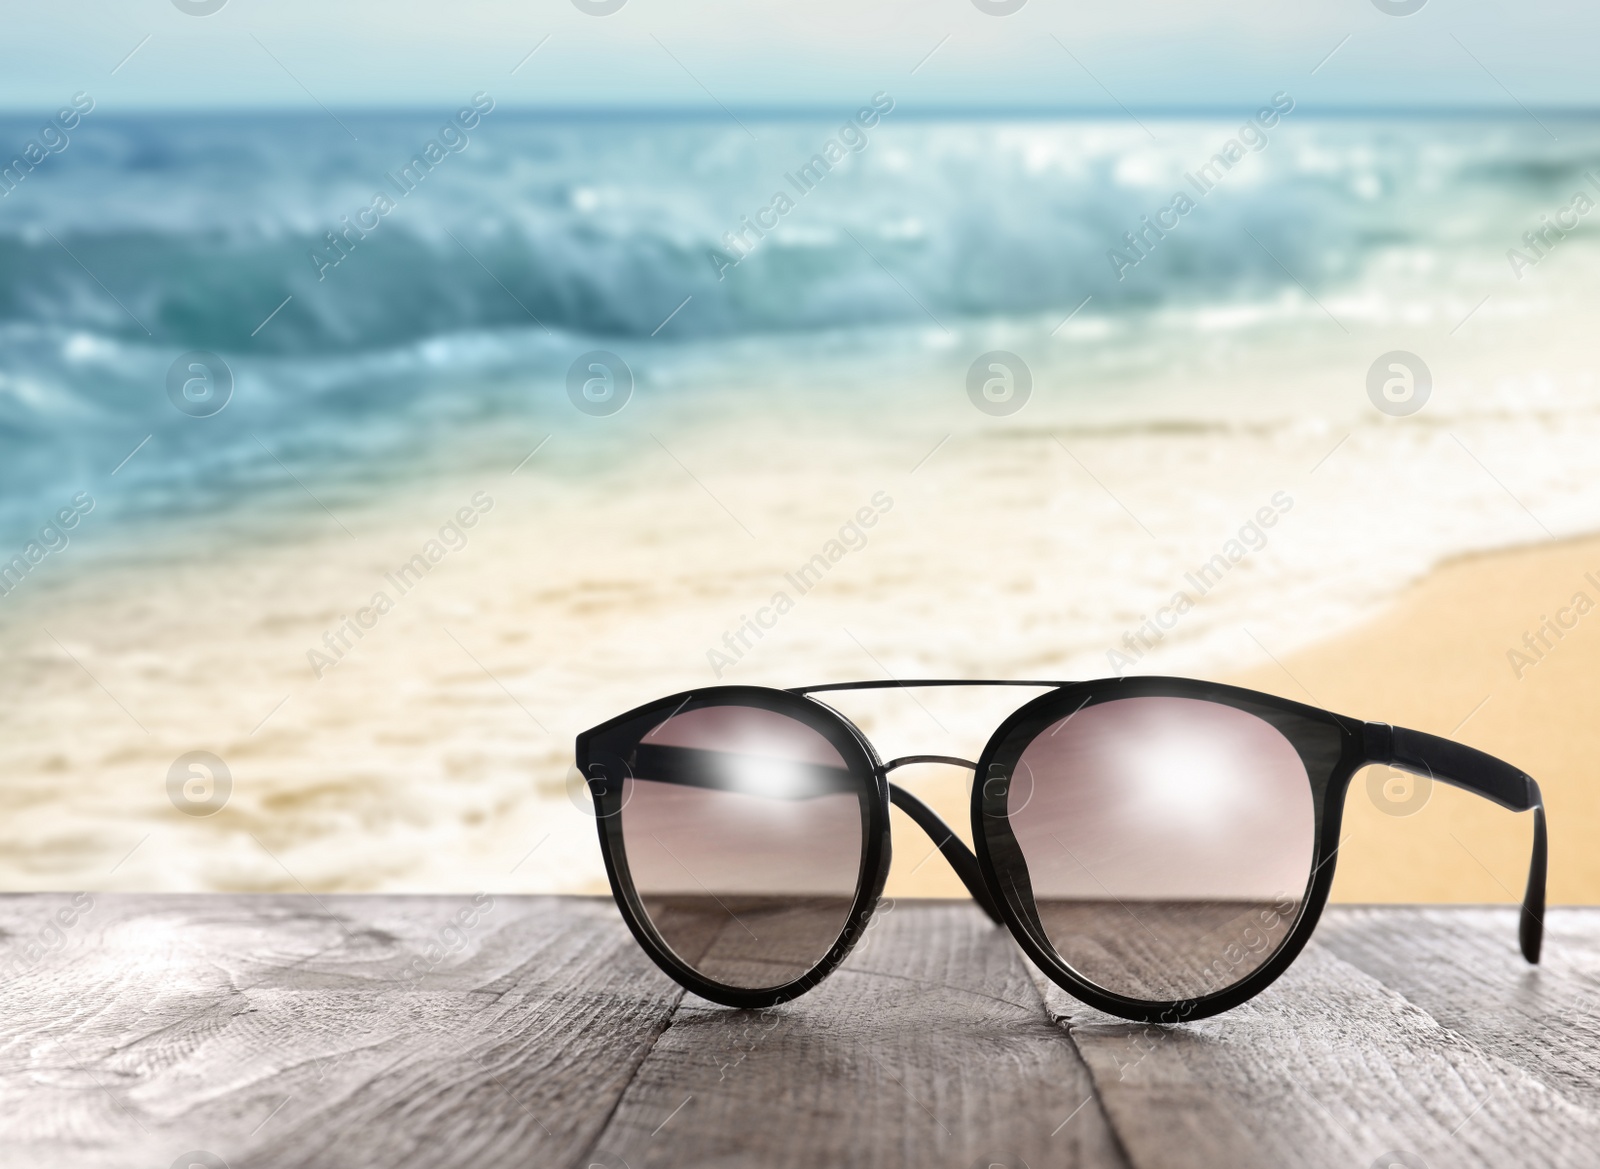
(1168, 842)
(742, 829)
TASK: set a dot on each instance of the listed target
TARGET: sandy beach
(426, 746)
(422, 742)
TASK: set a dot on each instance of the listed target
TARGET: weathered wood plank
(337, 1031)
(930, 1046)
(1463, 967)
(355, 1031)
(1331, 1068)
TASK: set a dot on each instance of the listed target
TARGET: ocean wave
(192, 232)
(146, 238)
(403, 283)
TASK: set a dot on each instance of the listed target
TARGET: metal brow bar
(918, 683)
(1475, 771)
(948, 760)
(765, 775)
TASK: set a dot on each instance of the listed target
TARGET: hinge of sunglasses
(1378, 742)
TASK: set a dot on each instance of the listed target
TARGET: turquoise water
(537, 239)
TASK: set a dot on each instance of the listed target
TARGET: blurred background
(390, 391)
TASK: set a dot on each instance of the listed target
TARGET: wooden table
(357, 1031)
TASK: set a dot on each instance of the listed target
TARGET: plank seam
(611, 1113)
(1062, 1024)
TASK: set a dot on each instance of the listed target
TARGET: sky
(134, 55)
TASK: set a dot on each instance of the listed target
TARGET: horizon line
(657, 111)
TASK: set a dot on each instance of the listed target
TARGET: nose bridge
(955, 851)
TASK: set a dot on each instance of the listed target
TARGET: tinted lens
(1168, 841)
(742, 830)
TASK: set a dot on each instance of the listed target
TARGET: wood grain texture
(1332, 1067)
(1463, 968)
(930, 1047)
(274, 1030)
(438, 1031)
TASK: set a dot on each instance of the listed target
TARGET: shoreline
(430, 756)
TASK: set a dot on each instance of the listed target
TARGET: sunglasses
(1159, 847)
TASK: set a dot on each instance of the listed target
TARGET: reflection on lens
(1168, 842)
(743, 834)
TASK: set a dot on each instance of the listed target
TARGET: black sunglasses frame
(602, 760)
(1332, 747)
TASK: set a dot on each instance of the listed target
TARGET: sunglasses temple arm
(1475, 771)
(955, 851)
